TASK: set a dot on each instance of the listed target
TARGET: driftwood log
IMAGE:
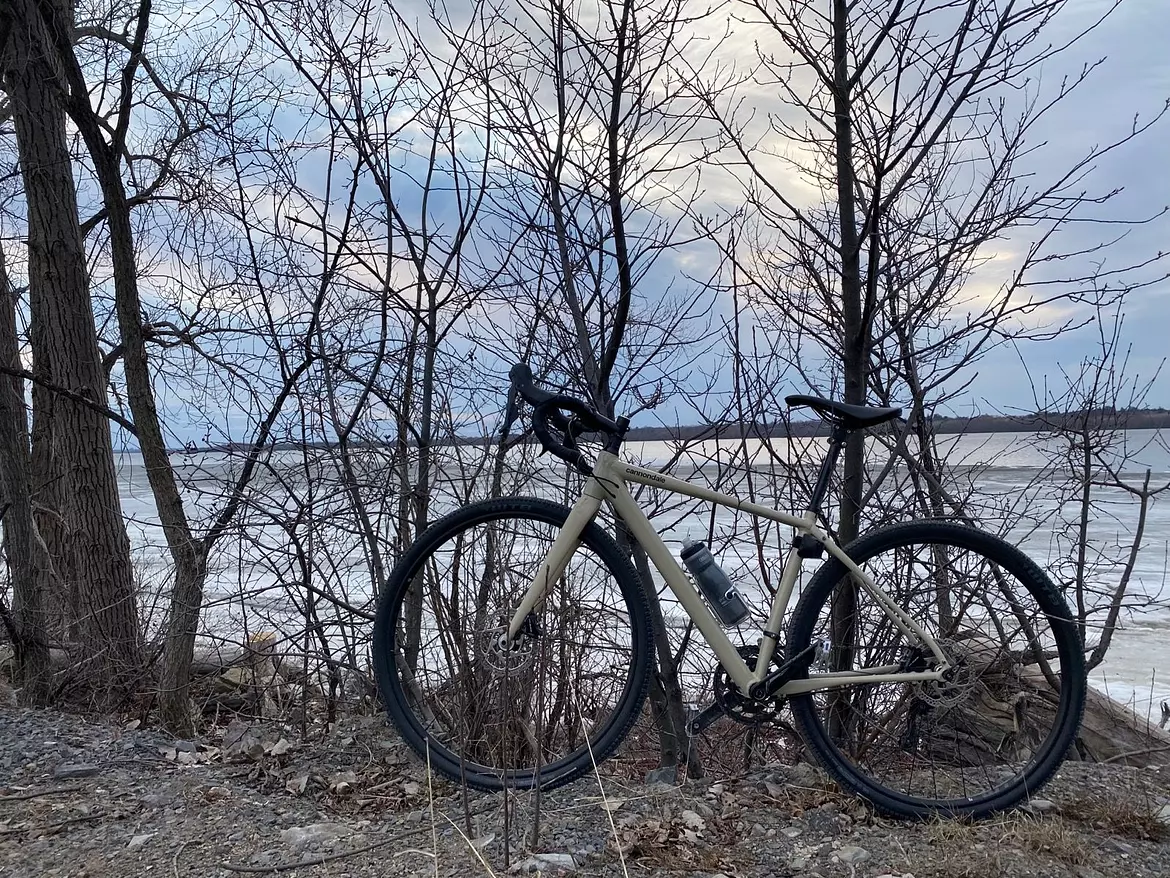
(1013, 705)
(1111, 732)
(252, 677)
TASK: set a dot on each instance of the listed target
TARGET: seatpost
(837, 439)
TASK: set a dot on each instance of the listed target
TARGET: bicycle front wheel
(996, 727)
(556, 701)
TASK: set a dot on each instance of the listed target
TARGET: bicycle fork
(583, 512)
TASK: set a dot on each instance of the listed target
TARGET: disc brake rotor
(501, 655)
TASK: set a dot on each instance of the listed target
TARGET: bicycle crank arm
(705, 719)
(779, 678)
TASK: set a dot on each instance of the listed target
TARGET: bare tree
(71, 441)
(28, 560)
(1086, 412)
(906, 118)
(600, 145)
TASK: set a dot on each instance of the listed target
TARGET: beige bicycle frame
(608, 483)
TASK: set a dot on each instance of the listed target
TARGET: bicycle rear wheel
(992, 732)
(544, 711)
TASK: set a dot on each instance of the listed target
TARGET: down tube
(678, 582)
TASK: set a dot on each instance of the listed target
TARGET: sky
(1133, 81)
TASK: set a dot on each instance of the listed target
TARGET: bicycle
(512, 642)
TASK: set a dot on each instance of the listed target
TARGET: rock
(546, 863)
(692, 820)
(1118, 847)
(1041, 806)
(852, 854)
(804, 775)
(235, 737)
(1163, 814)
(314, 833)
(281, 747)
(243, 742)
(234, 733)
(343, 781)
(76, 769)
(666, 775)
(792, 831)
(265, 858)
(822, 822)
(139, 840)
(185, 746)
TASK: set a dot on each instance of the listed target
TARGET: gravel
(99, 798)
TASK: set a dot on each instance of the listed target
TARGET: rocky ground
(103, 799)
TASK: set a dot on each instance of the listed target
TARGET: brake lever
(511, 412)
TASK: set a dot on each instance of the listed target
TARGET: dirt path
(96, 799)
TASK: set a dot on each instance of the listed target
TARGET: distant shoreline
(1133, 419)
(1037, 422)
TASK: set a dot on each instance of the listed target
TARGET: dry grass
(964, 849)
(1052, 836)
(1118, 816)
(947, 833)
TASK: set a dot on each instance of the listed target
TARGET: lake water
(249, 586)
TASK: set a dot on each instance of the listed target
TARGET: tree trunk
(28, 566)
(187, 554)
(676, 747)
(854, 347)
(97, 549)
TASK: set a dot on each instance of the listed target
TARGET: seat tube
(770, 639)
(562, 550)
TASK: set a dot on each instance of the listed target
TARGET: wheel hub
(501, 654)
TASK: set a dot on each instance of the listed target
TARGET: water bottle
(713, 583)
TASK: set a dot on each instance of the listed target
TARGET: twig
(179, 853)
(1141, 752)
(325, 858)
(617, 841)
(474, 849)
(328, 858)
(54, 826)
(431, 805)
(23, 796)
